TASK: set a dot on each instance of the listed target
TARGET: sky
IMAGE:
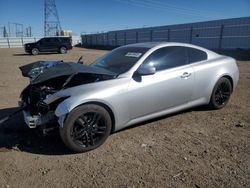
(92, 16)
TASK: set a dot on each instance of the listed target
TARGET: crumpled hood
(41, 71)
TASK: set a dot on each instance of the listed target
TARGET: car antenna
(80, 60)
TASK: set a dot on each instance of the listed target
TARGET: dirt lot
(195, 148)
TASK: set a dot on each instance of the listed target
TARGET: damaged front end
(37, 112)
(39, 99)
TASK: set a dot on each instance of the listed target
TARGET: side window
(46, 41)
(41, 41)
(49, 40)
(53, 40)
(63, 40)
(168, 57)
(196, 55)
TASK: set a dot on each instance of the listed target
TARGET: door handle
(185, 75)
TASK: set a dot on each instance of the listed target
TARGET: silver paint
(168, 91)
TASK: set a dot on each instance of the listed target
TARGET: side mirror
(146, 70)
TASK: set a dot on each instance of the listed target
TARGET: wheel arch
(106, 107)
(62, 46)
(230, 79)
(215, 81)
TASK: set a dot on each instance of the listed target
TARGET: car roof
(145, 44)
(56, 37)
(156, 45)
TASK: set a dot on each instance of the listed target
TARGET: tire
(63, 50)
(34, 51)
(86, 128)
(221, 93)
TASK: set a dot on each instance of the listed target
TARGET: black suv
(49, 44)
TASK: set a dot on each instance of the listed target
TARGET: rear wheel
(34, 51)
(221, 93)
(86, 128)
(63, 50)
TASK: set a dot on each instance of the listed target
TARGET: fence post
(221, 36)
(22, 40)
(115, 39)
(136, 36)
(151, 35)
(125, 38)
(107, 39)
(168, 35)
(8, 42)
(191, 35)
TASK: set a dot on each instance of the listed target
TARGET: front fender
(69, 104)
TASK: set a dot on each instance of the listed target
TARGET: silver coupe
(128, 85)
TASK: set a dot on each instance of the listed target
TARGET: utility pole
(5, 32)
(52, 26)
(9, 29)
(18, 28)
(28, 32)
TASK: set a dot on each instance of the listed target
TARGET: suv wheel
(34, 51)
(63, 50)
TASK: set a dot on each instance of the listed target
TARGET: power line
(165, 8)
(201, 12)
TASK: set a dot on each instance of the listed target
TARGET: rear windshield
(121, 59)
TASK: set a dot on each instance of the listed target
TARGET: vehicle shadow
(21, 54)
(15, 135)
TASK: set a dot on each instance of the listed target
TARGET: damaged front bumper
(38, 120)
(33, 121)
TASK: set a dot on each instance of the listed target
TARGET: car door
(54, 44)
(169, 87)
(198, 60)
(42, 45)
(49, 45)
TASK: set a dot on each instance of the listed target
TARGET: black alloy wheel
(221, 93)
(86, 128)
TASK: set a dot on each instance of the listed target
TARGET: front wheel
(34, 51)
(86, 128)
(221, 93)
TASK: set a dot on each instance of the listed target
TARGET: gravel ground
(194, 148)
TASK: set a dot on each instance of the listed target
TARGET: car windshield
(121, 59)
